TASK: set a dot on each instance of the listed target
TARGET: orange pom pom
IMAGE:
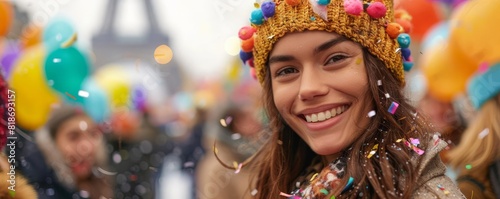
(407, 26)
(393, 30)
(247, 45)
(292, 2)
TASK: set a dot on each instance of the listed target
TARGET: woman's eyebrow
(280, 58)
(329, 44)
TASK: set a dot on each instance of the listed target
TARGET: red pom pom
(253, 73)
(250, 62)
(353, 7)
(292, 2)
(247, 45)
(376, 10)
(246, 32)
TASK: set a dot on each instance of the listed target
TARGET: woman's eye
(286, 71)
(336, 58)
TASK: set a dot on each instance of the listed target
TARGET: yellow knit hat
(371, 24)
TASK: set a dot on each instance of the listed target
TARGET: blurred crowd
(74, 126)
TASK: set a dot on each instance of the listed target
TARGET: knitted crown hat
(375, 25)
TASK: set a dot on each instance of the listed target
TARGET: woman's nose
(312, 84)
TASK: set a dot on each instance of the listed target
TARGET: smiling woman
(332, 76)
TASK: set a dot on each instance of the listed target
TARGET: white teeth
(314, 118)
(322, 116)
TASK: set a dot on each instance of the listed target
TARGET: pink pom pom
(376, 10)
(253, 73)
(246, 32)
(353, 7)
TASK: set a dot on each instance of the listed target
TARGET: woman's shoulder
(431, 179)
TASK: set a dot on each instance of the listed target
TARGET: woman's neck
(327, 159)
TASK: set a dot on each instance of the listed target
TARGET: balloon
(139, 99)
(441, 67)
(473, 33)
(31, 35)
(96, 105)
(33, 97)
(65, 70)
(424, 14)
(116, 82)
(58, 31)
(435, 35)
(7, 60)
(5, 17)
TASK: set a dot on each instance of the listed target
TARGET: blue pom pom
(257, 17)
(268, 8)
(245, 56)
(406, 52)
(404, 40)
(407, 65)
(323, 2)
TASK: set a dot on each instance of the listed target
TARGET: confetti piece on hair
(238, 169)
(468, 166)
(371, 113)
(324, 191)
(397, 50)
(415, 141)
(358, 61)
(349, 184)
(229, 119)
(484, 133)
(235, 136)
(392, 109)
(379, 41)
(270, 37)
(223, 122)
(286, 195)
(387, 95)
(379, 82)
(254, 192)
(414, 148)
(313, 177)
(399, 140)
(373, 151)
(82, 93)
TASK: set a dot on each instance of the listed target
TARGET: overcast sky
(199, 29)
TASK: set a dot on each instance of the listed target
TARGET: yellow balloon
(475, 33)
(116, 82)
(445, 72)
(33, 95)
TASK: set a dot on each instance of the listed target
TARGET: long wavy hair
(389, 174)
(475, 149)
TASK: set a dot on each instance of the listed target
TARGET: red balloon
(425, 14)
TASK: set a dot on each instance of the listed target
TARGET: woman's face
(320, 88)
(77, 138)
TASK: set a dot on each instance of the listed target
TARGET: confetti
(71, 96)
(324, 191)
(484, 133)
(313, 177)
(483, 67)
(379, 82)
(286, 195)
(256, 5)
(371, 113)
(188, 164)
(236, 136)
(392, 109)
(446, 192)
(254, 192)
(397, 50)
(349, 184)
(83, 125)
(379, 41)
(313, 18)
(468, 167)
(387, 95)
(415, 141)
(238, 169)
(82, 93)
(109, 173)
(223, 122)
(270, 37)
(358, 61)
(373, 151)
(414, 148)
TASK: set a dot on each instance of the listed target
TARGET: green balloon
(65, 70)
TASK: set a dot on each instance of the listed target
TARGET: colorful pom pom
(393, 30)
(245, 56)
(404, 40)
(246, 32)
(407, 26)
(250, 62)
(323, 2)
(257, 17)
(376, 10)
(268, 8)
(407, 66)
(406, 52)
(247, 45)
(253, 73)
(353, 7)
(292, 2)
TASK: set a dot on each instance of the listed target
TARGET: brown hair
(389, 174)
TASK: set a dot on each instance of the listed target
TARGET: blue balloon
(96, 104)
(435, 35)
(58, 31)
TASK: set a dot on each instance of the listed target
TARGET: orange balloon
(5, 17)
(425, 14)
(446, 79)
(30, 36)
